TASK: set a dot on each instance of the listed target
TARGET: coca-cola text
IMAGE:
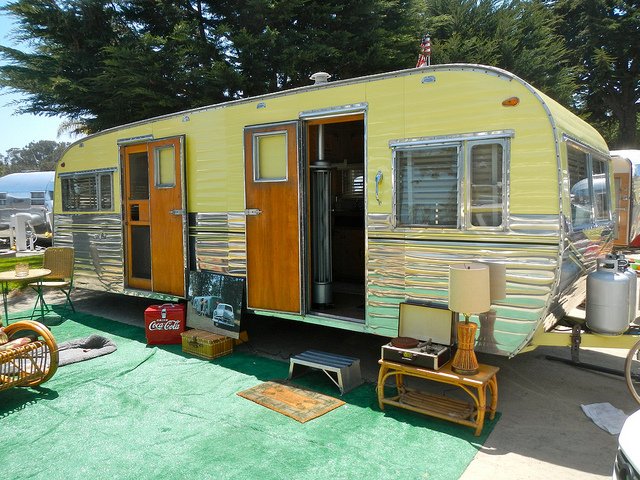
(164, 325)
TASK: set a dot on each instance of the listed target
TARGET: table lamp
(469, 293)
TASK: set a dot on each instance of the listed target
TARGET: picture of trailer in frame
(215, 303)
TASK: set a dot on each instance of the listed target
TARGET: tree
(605, 36)
(279, 44)
(102, 63)
(38, 156)
(518, 36)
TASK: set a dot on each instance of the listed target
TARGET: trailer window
(37, 198)
(87, 192)
(428, 186)
(270, 156)
(600, 191)
(165, 167)
(486, 170)
(588, 186)
(138, 176)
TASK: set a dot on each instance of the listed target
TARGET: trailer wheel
(632, 371)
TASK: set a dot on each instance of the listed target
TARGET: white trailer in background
(27, 198)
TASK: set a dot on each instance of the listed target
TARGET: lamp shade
(497, 281)
(469, 290)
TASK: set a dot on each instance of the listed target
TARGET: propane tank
(608, 299)
(623, 266)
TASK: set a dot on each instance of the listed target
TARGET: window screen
(486, 184)
(579, 186)
(138, 176)
(106, 195)
(428, 186)
(430, 177)
(87, 192)
(601, 196)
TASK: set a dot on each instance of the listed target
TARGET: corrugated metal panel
(219, 243)
(97, 240)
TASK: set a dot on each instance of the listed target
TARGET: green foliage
(103, 63)
(518, 36)
(605, 38)
(40, 156)
(279, 44)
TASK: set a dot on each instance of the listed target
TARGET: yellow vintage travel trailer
(340, 200)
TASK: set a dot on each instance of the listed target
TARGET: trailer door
(272, 218)
(154, 216)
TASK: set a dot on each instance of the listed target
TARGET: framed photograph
(215, 303)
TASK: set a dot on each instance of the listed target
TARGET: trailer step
(343, 371)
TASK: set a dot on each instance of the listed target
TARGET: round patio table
(34, 275)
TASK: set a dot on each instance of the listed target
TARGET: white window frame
(95, 175)
(464, 143)
(506, 155)
(591, 155)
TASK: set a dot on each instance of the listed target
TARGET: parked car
(627, 464)
(223, 313)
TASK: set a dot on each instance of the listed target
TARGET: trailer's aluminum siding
(546, 262)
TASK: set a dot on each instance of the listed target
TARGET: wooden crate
(206, 344)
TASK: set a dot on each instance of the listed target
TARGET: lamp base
(464, 361)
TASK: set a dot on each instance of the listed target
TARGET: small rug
(81, 349)
(295, 402)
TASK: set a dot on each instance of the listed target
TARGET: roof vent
(320, 77)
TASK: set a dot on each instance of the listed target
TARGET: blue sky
(17, 131)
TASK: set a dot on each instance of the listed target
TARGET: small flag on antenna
(425, 52)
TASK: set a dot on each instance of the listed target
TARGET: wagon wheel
(43, 334)
(632, 371)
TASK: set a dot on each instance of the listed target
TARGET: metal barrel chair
(60, 260)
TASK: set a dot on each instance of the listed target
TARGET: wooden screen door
(272, 219)
(154, 216)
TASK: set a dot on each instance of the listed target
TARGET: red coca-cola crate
(163, 324)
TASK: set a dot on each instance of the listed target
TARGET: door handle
(252, 211)
(378, 180)
(176, 212)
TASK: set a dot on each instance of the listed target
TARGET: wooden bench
(343, 371)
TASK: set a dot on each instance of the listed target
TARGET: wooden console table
(453, 410)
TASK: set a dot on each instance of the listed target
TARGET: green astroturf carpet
(152, 412)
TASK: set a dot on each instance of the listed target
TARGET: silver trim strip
(87, 172)
(332, 112)
(420, 141)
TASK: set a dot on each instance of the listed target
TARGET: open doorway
(336, 220)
